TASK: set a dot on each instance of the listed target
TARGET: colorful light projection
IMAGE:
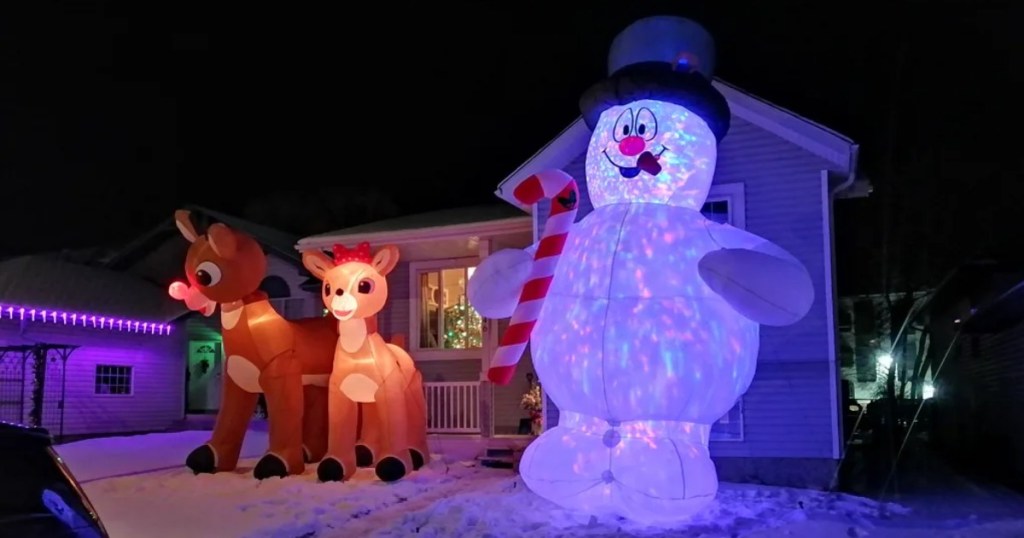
(649, 331)
(78, 319)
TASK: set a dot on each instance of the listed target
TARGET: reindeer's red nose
(631, 145)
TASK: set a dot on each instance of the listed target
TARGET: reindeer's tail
(563, 192)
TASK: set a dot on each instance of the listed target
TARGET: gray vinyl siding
(158, 378)
(787, 412)
(979, 400)
(394, 318)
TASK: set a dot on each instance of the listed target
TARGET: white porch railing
(453, 407)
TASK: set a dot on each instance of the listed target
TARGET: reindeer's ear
(222, 240)
(316, 262)
(183, 218)
(386, 259)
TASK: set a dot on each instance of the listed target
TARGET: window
(729, 427)
(113, 379)
(444, 319)
(717, 210)
(725, 205)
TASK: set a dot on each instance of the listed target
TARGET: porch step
(501, 458)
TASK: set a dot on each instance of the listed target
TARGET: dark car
(38, 494)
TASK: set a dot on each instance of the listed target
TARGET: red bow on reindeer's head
(359, 254)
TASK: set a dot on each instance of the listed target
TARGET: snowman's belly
(634, 250)
(630, 331)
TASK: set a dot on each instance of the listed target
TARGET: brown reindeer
(288, 361)
(370, 374)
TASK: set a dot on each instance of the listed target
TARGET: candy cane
(561, 189)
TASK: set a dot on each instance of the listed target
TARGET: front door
(204, 376)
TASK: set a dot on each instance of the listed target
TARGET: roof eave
(400, 237)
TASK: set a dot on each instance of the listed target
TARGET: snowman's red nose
(631, 145)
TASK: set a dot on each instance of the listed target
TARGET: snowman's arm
(756, 277)
(497, 281)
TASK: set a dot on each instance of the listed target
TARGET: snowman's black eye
(623, 125)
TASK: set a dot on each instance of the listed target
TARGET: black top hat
(665, 59)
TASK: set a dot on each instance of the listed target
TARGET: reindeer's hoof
(390, 469)
(330, 470)
(417, 459)
(202, 460)
(364, 457)
(269, 466)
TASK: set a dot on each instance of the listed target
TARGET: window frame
(421, 353)
(131, 380)
(733, 195)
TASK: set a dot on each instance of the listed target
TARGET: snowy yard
(141, 489)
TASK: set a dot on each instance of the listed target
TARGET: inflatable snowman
(648, 331)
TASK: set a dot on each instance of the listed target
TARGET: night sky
(112, 114)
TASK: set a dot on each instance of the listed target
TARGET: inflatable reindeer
(369, 375)
(287, 361)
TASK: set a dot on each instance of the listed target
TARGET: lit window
(446, 321)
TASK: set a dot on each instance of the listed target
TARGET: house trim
(429, 354)
(406, 236)
(830, 312)
(830, 145)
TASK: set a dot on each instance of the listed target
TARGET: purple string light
(75, 319)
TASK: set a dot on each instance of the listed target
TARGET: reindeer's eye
(327, 289)
(365, 286)
(207, 274)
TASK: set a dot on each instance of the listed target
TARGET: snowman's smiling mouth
(646, 162)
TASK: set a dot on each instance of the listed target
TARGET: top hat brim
(658, 81)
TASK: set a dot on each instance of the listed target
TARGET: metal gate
(32, 385)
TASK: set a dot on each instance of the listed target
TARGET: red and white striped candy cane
(563, 192)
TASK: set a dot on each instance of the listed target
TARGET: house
(973, 321)
(777, 176)
(874, 334)
(158, 257)
(427, 304)
(87, 351)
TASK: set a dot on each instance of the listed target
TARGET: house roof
(48, 282)
(480, 220)
(826, 143)
(273, 240)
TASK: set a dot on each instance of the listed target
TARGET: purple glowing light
(75, 319)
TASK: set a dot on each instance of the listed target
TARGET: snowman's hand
(493, 290)
(759, 283)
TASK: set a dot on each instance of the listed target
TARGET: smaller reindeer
(288, 361)
(368, 372)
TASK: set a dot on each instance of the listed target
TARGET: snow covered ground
(141, 489)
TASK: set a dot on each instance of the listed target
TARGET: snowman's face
(650, 151)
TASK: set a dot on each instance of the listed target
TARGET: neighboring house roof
(48, 282)
(473, 220)
(159, 255)
(830, 145)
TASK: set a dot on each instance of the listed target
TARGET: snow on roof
(432, 219)
(48, 282)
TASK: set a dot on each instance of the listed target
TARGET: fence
(453, 407)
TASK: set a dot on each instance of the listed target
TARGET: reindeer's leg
(416, 411)
(282, 385)
(394, 461)
(368, 446)
(220, 453)
(342, 414)
(314, 423)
